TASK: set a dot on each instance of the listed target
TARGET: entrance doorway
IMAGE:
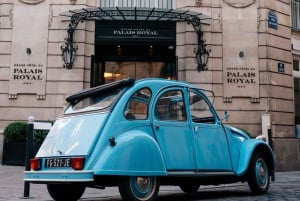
(138, 49)
(109, 71)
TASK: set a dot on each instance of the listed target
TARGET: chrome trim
(59, 176)
(193, 173)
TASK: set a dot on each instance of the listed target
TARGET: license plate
(57, 162)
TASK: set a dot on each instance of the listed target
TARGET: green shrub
(15, 132)
(39, 135)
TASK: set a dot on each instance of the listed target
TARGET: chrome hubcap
(261, 173)
(143, 183)
(143, 187)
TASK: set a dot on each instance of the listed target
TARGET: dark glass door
(108, 71)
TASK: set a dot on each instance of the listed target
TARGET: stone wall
(43, 99)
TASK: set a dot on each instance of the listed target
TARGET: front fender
(246, 152)
(134, 154)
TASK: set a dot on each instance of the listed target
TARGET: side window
(170, 106)
(137, 106)
(200, 109)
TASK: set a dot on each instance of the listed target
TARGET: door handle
(196, 128)
(157, 126)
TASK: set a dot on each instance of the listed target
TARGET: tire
(258, 174)
(63, 192)
(189, 188)
(139, 188)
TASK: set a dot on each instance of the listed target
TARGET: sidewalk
(12, 186)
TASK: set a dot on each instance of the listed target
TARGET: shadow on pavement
(204, 195)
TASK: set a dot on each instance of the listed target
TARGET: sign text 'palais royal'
(241, 81)
(27, 78)
(241, 76)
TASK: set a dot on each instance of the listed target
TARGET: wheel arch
(135, 153)
(251, 147)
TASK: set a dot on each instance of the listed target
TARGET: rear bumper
(58, 176)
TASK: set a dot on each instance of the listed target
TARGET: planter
(14, 153)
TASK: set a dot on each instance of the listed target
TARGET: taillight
(35, 164)
(77, 163)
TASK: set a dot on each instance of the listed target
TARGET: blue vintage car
(138, 135)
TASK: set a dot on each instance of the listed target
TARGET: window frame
(133, 116)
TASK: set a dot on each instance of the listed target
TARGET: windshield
(96, 102)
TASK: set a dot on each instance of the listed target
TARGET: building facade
(253, 64)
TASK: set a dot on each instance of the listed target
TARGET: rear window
(100, 101)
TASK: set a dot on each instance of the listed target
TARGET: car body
(138, 135)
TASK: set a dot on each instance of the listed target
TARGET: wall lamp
(202, 54)
(69, 50)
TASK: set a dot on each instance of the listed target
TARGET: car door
(172, 130)
(211, 145)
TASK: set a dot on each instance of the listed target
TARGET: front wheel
(139, 188)
(63, 192)
(258, 174)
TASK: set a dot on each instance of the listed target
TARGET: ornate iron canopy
(140, 14)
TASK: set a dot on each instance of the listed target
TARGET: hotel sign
(27, 78)
(241, 76)
(29, 50)
(118, 33)
(241, 81)
(134, 32)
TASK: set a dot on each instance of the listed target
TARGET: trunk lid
(73, 136)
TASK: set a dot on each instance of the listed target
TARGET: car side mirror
(226, 115)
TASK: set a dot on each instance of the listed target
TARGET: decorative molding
(12, 96)
(31, 1)
(41, 97)
(227, 99)
(11, 17)
(198, 2)
(50, 17)
(255, 100)
(38, 96)
(220, 20)
(73, 2)
(258, 18)
(239, 3)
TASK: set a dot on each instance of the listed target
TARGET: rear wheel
(63, 192)
(258, 174)
(139, 188)
(189, 188)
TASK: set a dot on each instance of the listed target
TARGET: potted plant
(14, 144)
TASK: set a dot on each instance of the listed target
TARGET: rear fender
(248, 148)
(134, 154)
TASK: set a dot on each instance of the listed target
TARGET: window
(295, 14)
(297, 100)
(170, 106)
(138, 3)
(137, 106)
(296, 65)
(296, 74)
(200, 110)
(96, 102)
